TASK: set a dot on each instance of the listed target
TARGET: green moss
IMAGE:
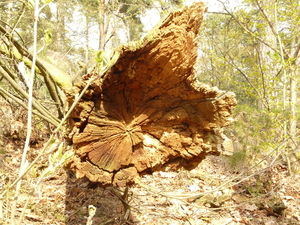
(237, 159)
(60, 216)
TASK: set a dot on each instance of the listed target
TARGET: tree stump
(148, 112)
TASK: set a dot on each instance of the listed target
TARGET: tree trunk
(293, 104)
(87, 37)
(101, 14)
(148, 112)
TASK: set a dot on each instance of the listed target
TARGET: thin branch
(51, 139)
(44, 72)
(19, 19)
(247, 79)
(6, 95)
(263, 12)
(262, 77)
(296, 53)
(249, 31)
(222, 13)
(274, 29)
(29, 113)
(36, 105)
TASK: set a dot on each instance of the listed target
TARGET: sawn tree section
(148, 112)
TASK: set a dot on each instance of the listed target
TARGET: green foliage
(256, 127)
(131, 11)
(55, 160)
(251, 50)
(105, 60)
(2, 151)
(255, 133)
(236, 60)
(92, 211)
(48, 36)
(255, 191)
(46, 1)
(260, 186)
(238, 160)
(101, 59)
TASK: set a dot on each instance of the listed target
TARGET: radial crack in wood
(148, 112)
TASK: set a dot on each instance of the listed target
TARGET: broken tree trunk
(147, 112)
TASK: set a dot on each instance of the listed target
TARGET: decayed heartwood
(147, 112)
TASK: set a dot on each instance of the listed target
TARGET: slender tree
(254, 50)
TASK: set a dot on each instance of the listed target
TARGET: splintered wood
(148, 112)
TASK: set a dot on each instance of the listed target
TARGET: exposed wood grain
(148, 112)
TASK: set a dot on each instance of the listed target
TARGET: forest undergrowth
(243, 50)
(252, 186)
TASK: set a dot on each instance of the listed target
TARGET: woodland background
(250, 48)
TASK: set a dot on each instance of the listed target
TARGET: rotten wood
(148, 112)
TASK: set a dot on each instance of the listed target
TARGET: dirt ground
(212, 193)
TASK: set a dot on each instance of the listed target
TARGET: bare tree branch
(44, 72)
(54, 120)
(249, 31)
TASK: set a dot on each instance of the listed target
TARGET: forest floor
(211, 193)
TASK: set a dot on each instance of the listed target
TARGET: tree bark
(102, 31)
(148, 112)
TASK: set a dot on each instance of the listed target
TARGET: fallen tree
(148, 112)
